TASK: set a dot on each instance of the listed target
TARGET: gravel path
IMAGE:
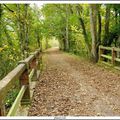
(71, 86)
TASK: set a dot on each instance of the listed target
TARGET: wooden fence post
(24, 80)
(113, 56)
(38, 59)
(33, 65)
(2, 108)
(100, 52)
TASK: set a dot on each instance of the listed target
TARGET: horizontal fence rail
(15, 105)
(110, 56)
(24, 72)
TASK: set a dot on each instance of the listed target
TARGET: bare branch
(8, 8)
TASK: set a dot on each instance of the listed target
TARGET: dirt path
(71, 86)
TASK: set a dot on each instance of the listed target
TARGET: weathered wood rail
(25, 70)
(113, 56)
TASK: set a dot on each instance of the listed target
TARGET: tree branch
(8, 8)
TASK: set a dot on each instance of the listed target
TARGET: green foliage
(24, 28)
(47, 23)
(11, 98)
(55, 25)
(11, 42)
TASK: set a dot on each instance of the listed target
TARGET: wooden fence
(25, 70)
(110, 56)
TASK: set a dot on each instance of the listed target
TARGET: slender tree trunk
(71, 10)
(40, 44)
(26, 30)
(46, 43)
(23, 30)
(38, 37)
(60, 44)
(63, 43)
(99, 31)
(83, 29)
(116, 17)
(107, 20)
(67, 41)
(20, 29)
(93, 22)
(37, 32)
(99, 27)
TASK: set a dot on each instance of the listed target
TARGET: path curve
(71, 86)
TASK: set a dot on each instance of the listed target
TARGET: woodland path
(71, 86)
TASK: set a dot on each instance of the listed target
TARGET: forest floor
(70, 86)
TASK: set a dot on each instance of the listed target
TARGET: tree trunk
(116, 17)
(23, 30)
(107, 20)
(20, 33)
(46, 43)
(37, 35)
(99, 31)
(83, 29)
(66, 40)
(99, 27)
(26, 30)
(93, 22)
